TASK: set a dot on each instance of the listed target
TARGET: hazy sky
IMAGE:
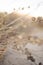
(36, 6)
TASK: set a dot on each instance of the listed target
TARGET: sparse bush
(33, 18)
(39, 21)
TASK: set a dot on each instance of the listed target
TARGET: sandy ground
(13, 57)
(18, 33)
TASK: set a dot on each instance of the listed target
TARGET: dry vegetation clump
(3, 45)
(40, 21)
(35, 40)
(10, 17)
(2, 17)
(33, 19)
(6, 19)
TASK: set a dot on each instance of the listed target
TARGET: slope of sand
(19, 34)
